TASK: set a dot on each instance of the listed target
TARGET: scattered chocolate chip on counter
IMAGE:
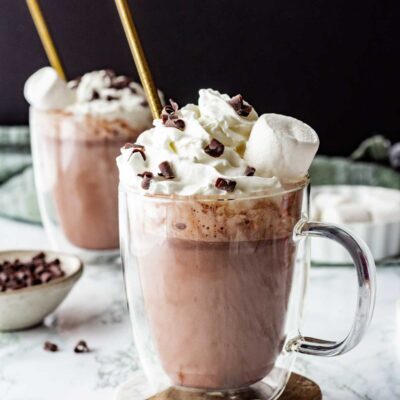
(52, 347)
(81, 347)
(18, 274)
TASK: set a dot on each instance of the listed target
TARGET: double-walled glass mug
(215, 288)
(77, 180)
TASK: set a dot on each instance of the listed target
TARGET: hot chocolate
(207, 229)
(216, 279)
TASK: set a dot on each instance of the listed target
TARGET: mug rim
(271, 193)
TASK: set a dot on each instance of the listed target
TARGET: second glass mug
(216, 285)
(77, 180)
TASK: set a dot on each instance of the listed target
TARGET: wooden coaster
(298, 388)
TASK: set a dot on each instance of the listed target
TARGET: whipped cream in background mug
(99, 93)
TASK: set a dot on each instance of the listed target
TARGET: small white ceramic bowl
(27, 307)
(381, 236)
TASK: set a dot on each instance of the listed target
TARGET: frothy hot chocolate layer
(216, 279)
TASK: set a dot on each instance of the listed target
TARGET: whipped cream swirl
(193, 150)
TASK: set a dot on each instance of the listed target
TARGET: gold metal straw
(45, 37)
(139, 57)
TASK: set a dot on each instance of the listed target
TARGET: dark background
(332, 63)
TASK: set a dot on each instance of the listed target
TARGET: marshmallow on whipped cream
(99, 93)
(281, 146)
(210, 148)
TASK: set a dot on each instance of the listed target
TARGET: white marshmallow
(45, 90)
(281, 146)
(346, 213)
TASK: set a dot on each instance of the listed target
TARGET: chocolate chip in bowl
(33, 284)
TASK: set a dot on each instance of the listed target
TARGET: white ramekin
(383, 238)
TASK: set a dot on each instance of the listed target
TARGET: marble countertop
(96, 312)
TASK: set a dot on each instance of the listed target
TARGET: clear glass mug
(77, 180)
(215, 289)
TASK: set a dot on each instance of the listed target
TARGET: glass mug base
(297, 388)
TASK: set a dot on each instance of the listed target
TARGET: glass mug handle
(365, 267)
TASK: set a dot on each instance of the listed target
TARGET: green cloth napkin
(17, 188)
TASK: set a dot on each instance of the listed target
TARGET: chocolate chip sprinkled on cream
(166, 170)
(215, 148)
(225, 184)
(120, 82)
(146, 176)
(170, 108)
(180, 225)
(136, 148)
(249, 171)
(240, 106)
(169, 117)
(95, 95)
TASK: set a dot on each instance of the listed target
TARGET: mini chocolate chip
(249, 171)
(169, 117)
(48, 346)
(110, 73)
(121, 82)
(215, 148)
(225, 184)
(170, 109)
(240, 106)
(95, 95)
(180, 225)
(81, 347)
(45, 277)
(144, 103)
(111, 98)
(39, 256)
(146, 176)
(174, 122)
(136, 148)
(166, 170)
